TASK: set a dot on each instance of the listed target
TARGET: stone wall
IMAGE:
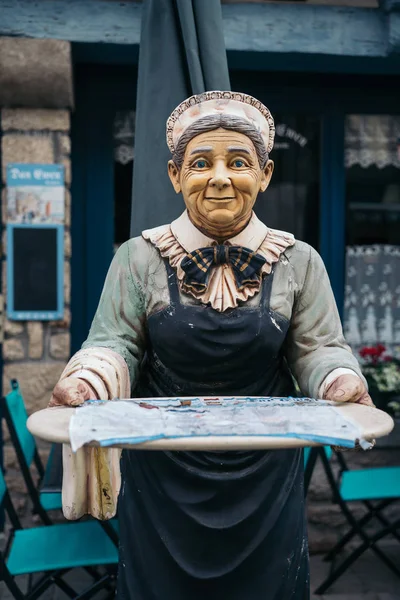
(35, 352)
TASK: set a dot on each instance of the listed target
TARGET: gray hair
(212, 122)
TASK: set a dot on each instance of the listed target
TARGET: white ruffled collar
(174, 241)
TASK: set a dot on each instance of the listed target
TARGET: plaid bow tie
(245, 263)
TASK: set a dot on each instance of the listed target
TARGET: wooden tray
(52, 424)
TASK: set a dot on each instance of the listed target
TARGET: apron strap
(172, 283)
(266, 289)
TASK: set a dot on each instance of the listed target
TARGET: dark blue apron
(208, 525)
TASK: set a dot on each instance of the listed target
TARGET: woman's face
(219, 180)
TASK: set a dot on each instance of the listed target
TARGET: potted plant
(382, 373)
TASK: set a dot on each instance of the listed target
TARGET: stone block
(35, 119)
(12, 328)
(63, 323)
(35, 73)
(67, 244)
(60, 345)
(20, 148)
(67, 282)
(4, 204)
(35, 337)
(4, 278)
(13, 349)
(64, 144)
(36, 380)
(67, 219)
(67, 169)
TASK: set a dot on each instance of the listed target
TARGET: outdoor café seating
(24, 443)
(376, 488)
(53, 549)
(92, 545)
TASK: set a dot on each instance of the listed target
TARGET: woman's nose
(220, 178)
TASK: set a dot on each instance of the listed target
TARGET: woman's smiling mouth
(215, 198)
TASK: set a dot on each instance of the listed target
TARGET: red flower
(373, 353)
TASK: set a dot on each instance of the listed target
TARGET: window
(124, 131)
(291, 202)
(372, 293)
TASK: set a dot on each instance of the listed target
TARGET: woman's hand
(348, 388)
(71, 391)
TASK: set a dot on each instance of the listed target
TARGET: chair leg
(91, 591)
(354, 524)
(45, 582)
(65, 587)
(382, 519)
(366, 539)
(356, 554)
(352, 532)
(312, 459)
(12, 586)
(40, 587)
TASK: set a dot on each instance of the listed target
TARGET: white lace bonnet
(217, 102)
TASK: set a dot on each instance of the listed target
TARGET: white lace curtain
(372, 140)
(372, 296)
(124, 136)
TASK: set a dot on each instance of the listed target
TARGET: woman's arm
(116, 341)
(119, 322)
(105, 368)
(315, 344)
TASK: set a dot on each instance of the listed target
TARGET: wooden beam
(392, 10)
(249, 27)
(394, 33)
(77, 21)
(305, 29)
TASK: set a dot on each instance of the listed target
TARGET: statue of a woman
(215, 303)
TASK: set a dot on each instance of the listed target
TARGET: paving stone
(367, 579)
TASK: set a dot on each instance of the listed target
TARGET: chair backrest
(25, 445)
(17, 417)
(306, 455)
(327, 449)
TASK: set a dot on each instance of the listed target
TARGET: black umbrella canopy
(182, 52)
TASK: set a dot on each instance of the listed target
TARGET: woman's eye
(238, 163)
(200, 164)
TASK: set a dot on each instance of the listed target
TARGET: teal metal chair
(16, 417)
(52, 551)
(376, 489)
(310, 456)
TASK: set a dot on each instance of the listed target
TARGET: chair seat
(371, 484)
(51, 501)
(61, 547)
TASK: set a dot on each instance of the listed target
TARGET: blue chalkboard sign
(35, 271)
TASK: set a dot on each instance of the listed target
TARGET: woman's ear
(266, 176)
(173, 173)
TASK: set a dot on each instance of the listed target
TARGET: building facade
(328, 70)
